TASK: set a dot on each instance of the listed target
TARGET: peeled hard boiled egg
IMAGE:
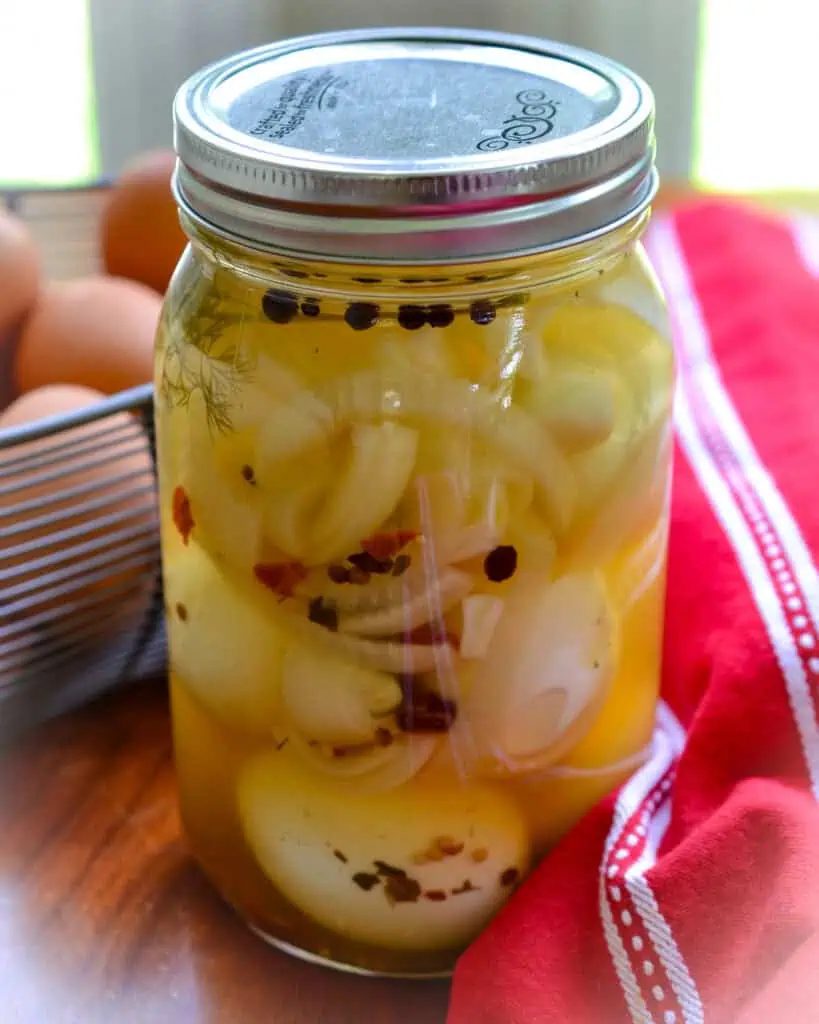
(97, 332)
(223, 645)
(19, 272)
(419, 869)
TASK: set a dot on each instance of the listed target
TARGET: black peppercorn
(323, 613)
(310, 307)
(440, 316)
(280, 307)
(361, 315)
(411, 318)
(500, 564)
(482, 312)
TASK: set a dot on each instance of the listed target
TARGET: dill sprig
(190, 363)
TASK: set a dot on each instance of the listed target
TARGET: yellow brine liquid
(414, 530)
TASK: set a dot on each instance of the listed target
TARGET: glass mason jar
(414, 434)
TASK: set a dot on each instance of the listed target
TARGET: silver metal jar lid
(414, 146)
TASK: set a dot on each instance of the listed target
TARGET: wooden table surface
(105, 919)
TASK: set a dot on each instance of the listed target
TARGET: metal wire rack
(80, 582)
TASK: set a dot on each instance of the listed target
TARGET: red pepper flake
(435, 895)
(182, 612)
(366, 881)
(387, 545)
(280, 577)
(509, 877)
(182, 516)
(401, 889)
(500, 564)
(339, 856)
(283, 743)
(248, 475)
(466, 887)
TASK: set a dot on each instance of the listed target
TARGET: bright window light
(757, 128)
(46, 98)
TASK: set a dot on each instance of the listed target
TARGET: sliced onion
(636, 499)
(367, 491)
(286, 432)
(442, 594)
(463, 545)
(576, 405)
(332, 701)
(456, 404)
(436, 501)
(535, 544)
(372, 771)
(481, 614)
(641, 569)
(384, 656)
(376, 595)
(547, 671)
(596, 470)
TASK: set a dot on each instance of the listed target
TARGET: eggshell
(75, 564)
(96, 332)
(464, 845)
(141, 236)
(19, 272)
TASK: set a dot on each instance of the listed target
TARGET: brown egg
(19, 272)
(96, 332)
(77, 528)
(141, 236)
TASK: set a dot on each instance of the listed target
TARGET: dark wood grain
(105, 918)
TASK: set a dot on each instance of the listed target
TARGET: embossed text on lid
(433, 121)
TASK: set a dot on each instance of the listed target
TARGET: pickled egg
(19, 272)
(141, 236)
(96, 332)
(236, 672)
(421, 868)
(77, 522)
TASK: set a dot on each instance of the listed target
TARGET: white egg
(223, 645)
(420, 869)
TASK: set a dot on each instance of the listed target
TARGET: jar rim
(265, 156)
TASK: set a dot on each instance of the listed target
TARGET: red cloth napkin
(692, 894)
